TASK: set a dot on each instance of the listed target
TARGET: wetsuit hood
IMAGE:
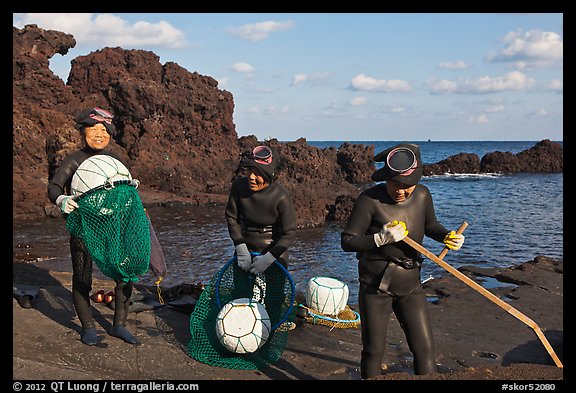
(269, 170)
(402, 163)
(89, 117)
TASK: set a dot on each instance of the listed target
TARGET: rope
(159, 290)
(316, 317)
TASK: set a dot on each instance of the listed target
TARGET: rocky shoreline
(178, 125)
(475, 339)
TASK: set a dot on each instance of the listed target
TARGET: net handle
(107, 185)
(282, 268)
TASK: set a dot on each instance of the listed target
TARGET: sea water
(512, 219)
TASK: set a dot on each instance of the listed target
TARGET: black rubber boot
(122, 333)
(81, 287)
(89, 337)
(123, 291)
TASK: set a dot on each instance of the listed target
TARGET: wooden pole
(478, 288)
(460, 230)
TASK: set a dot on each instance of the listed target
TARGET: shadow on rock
(174, 326)
(282, 369)
(535, 352)
(34, 287)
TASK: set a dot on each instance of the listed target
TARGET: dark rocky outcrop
(175, 130)
(546, 156)
(459, 163)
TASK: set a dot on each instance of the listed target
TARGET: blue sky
(354, 76)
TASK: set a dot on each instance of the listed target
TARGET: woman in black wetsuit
(389, 269)
(260, 214)
(96, 127)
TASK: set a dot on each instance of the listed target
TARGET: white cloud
(274, 110)
(556, 85)
(514, 80)
(358, 101)
(260, 31)
(541, 112)
(494, 109)
(481, 119)
(107, 29)
(397, 109)
(443, 86)
(455, 65)
(367, 83)
(534, 48)
(242, 67)
(298, 78)
(301, 78)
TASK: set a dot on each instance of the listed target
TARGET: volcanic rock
(175, 130)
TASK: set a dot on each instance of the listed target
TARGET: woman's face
(398, 191)
(96, 136)
(256, 182)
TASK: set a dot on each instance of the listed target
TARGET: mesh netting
(113, 224)
(275, 289)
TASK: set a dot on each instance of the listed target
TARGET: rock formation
(177, 135)
(544, 157)
(175, 130)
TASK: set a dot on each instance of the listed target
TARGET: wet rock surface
(475, 339)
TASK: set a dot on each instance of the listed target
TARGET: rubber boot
(89, 337)
(123, 291)
(83, 309)
(81, 287)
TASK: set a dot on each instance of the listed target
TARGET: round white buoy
(243, 325)
(326, 295)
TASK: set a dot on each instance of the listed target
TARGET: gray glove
(261, 262)
(391, 232)
(243, 257)
(66, 203)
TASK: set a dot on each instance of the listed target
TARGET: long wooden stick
(478, 288)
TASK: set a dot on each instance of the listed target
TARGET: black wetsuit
(265, 220)
(81, 258)
(390, 275)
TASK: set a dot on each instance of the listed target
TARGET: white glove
(243, 257)
(66, 203)
(391, 232)
(261, 262)
(454, 241)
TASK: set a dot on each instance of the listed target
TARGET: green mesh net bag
(113, 224)
(274, 290)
